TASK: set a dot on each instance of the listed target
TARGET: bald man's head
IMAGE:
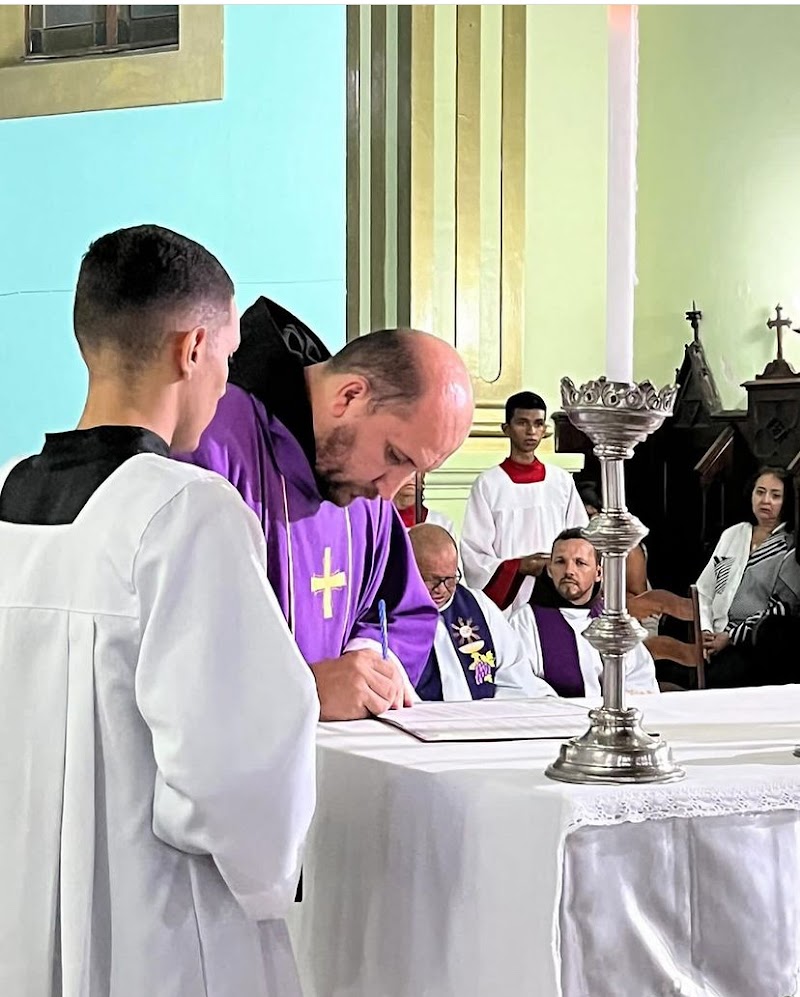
(436, 555)
(388, 404)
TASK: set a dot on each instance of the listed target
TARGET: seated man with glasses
(475, 654)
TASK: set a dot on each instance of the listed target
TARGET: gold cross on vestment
(327, 582)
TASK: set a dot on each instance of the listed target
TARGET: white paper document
(491, 720)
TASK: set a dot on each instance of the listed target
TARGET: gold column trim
(491, 127)
(444, 170)
(377, 167)
(468, 185)
(390, 262)
(353, 171)
(436, 176)
(403, 163)
(364, 167)
(512, 239)
(421, 205)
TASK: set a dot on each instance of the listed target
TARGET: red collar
(524, 474)
(408, 515)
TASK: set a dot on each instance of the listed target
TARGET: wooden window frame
(193, 71)
(112, 44)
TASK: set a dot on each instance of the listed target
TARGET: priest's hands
(533, 564)
(358, 684)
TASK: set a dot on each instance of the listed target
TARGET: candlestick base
(616, 748)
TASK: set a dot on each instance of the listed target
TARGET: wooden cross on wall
(779, 324)
(778, 367)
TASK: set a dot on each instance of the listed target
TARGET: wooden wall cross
(778, 367)
(779, 324)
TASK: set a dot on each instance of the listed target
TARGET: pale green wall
(719, 206)
(566, 197)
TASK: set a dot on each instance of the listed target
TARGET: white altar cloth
(460, 870)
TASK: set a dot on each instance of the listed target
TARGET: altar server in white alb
(516, 510)
(565, 601)
(476, 654)
(157, 721)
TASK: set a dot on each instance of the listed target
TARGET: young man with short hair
(516, 510)
(157, 722)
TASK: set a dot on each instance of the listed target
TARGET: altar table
(460, 870)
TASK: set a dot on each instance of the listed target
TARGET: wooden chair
(690, 654)
(697, 633)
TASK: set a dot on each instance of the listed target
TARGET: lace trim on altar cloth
(634, 804)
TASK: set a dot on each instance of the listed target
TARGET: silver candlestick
(615, 416)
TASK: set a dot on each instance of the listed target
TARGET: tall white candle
(623, 69)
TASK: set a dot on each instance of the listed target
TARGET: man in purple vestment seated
(563, 603)
(317, 446)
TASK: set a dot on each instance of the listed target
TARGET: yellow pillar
(436, 182)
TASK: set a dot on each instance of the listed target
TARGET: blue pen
(384, 629)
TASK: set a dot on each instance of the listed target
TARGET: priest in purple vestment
(564, 601)
(317, 446)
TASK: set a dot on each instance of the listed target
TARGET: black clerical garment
(51, 488)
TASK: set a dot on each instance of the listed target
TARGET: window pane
(142, 31)
(54, 41)
(61, 29)
(60, 15)
(153, 10)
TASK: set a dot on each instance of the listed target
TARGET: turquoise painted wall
(718, 214)
(258, 178)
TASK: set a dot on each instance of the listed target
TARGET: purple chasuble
(472, 640)
(326, 564)
(559, 645)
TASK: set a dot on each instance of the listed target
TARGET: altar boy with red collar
(516, 510)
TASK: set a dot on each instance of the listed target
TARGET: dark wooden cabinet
(687, 481)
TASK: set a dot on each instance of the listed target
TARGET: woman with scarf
(752, 575)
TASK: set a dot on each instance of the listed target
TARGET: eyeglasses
(449, 582)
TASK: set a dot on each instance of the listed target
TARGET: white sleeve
(477, 539)
(640, 671)
(514, 676)
(229, 700)
(706, 584)
(523, 623)
(576, 514)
